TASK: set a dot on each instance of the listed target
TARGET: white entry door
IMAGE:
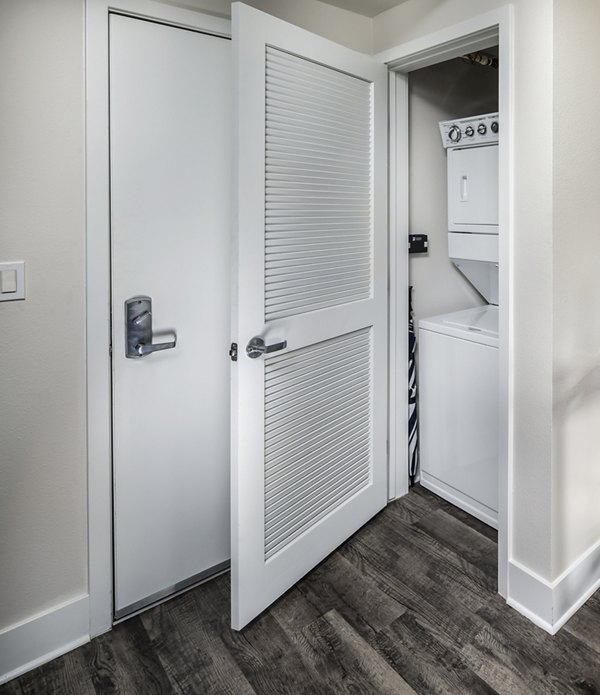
(310, 385)
(170, 168)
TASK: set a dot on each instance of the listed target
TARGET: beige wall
(453, 89)
(532, 260)
(43, 508)
(576, 281)
(221, 8)
(347, 28)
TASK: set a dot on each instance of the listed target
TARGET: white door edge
(98, 377)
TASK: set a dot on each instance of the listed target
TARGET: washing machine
(458, 409)
(458, 352)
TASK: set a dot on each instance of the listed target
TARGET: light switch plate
(9, 273)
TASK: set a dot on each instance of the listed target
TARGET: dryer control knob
(482, 129)
(454, 134)
(469, 131)
(494, 126)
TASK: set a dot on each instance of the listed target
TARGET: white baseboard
(459, 499)
(550, 604)
(576, 584)
(43, 637)
(531, 595)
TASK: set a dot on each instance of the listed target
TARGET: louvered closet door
(309, 419)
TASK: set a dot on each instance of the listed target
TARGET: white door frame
(474, 34)
(98, 328)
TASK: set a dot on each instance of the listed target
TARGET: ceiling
(368, 8)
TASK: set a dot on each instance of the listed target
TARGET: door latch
(257, 347)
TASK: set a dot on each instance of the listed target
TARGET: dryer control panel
(475, 130)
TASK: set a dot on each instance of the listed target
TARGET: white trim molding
(550, 604)
(398, 285)
(530, 594)
(43, 637)
(473, 34)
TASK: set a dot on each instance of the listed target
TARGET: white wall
(532, 261)
(576, 281)
(43, 510)
(453, 89)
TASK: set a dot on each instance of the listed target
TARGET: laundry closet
(454, 272)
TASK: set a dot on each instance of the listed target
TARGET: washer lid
(479, 325)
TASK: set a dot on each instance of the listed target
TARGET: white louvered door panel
(309, 421)
(318, 187)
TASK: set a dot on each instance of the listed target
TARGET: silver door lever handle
(257, 347)
(143, 349)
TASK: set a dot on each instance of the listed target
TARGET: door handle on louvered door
(138, 329)
(257, 347)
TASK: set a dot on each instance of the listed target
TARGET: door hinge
(233, 352)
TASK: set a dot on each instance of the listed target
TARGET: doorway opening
(453, 276)
(465, 360)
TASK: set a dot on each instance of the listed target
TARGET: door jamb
(98, 299)
(398, 479)
(474, 34)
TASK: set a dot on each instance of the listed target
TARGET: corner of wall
(550, 604)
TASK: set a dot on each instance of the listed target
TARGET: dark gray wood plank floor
(408, 605)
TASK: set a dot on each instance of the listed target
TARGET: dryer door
(473, 189)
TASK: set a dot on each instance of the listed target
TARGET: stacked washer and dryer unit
(458, 352)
